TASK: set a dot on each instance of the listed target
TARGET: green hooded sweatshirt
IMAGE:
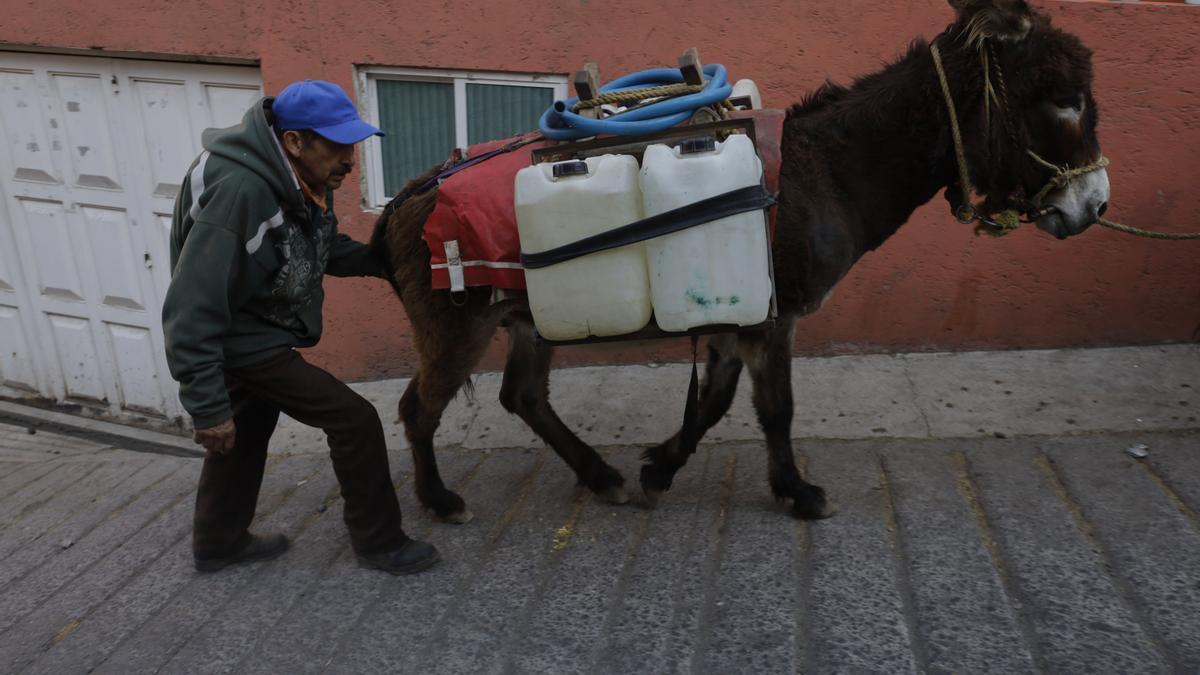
(248, 253)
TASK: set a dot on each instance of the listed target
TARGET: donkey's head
(1031, 130)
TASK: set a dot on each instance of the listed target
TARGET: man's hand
(218, 439)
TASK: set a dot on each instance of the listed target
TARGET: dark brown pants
(229, 483)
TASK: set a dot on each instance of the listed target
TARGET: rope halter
(1006, 221)
(1062, 175)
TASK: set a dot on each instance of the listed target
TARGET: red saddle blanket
(475, 221)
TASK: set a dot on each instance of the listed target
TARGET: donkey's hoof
(814, 510)
(652, 497)
(446, 506)
(655, 480)
(613, 495)
(458, 517)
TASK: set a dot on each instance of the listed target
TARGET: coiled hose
(560, 124)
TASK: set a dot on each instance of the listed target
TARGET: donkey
(856, 163)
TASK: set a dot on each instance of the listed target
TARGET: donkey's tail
(397, 238)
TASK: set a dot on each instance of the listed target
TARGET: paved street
(991, 520)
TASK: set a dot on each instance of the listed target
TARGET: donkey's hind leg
(449, 352)
(526, 392)
(717, 390)
(768, 355)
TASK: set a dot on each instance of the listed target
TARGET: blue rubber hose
(560, 124)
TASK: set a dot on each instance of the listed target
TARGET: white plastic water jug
(715, 273)
(601, 294)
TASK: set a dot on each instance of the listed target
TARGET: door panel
(94, 151)
(16, 361)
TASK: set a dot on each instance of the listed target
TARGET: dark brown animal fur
(856, 163)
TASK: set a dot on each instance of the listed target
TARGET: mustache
(342, 171)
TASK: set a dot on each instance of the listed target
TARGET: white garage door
(92, 157)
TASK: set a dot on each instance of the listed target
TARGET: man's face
(321, 163)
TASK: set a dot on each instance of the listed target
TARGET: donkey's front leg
(526, 392)
(768, 357)
(717, 390)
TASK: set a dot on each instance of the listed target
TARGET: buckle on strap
(454, 267)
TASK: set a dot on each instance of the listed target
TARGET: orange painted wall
(933, 286)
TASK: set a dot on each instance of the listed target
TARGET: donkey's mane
(868, 94)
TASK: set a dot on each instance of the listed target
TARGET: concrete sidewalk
(945, 395)
(1049, 549)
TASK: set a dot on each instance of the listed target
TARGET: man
(252, 236)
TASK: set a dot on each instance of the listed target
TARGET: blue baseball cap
(322, 107)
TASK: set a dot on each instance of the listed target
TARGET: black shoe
(414, 556)
(257, 547)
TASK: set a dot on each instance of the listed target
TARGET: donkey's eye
(1069, 101)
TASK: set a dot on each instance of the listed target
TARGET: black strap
(472, 161)
(742, 200)
(448, 171)
(690, 431)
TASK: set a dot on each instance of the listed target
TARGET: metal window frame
(367, 79)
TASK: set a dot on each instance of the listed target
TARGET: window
(428, 113)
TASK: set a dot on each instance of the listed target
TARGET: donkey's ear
(1005, 20)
